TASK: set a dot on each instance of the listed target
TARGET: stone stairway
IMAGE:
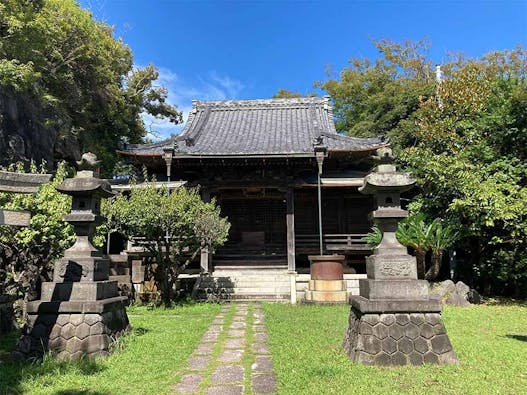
(245, 284)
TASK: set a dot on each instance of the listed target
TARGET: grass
(149, 361)
(490, 342)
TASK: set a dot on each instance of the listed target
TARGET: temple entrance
(258, 234)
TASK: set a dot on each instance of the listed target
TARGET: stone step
(121, 279)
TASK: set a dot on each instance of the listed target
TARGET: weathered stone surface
(380, 331)
(264, 383)
(204, 349)
(235, 343)
(238, 325)
(225, 390)
(236, 333)
(259, 328)
(260, 348)
(189, 383)
(262, 364)
(405, 345)
(261, 337)
(227, 374)
(407, 342)
(389, 345)
(231, 356)
(198, 362)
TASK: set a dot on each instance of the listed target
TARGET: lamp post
(320, 154)
(327, 283)
(168, 153)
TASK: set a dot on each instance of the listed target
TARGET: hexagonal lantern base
(72, 330)
(378, 336)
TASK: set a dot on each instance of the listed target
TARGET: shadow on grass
(522, 338)
(15, 374)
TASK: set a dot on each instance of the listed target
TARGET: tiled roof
(258, 127)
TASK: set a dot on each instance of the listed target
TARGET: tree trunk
(420, 255)
(435, 266)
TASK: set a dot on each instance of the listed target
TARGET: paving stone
(214, 329)
(231, 356)
(262, 364)
(238, 325)
(239, 318)
(236, 333)
(260, 348)
(217, 321)
(198, 362)
(259, 328)
(258, 321)
(261, 337)
(227, 374)
(235, 343)
(263, 383)
(204, 349)
(210, 337)
(189, 383)
(225, 390)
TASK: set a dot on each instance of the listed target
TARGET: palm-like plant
(413, 232)
(439, 237)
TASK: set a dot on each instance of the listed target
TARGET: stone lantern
(394, 321)
(80, 312)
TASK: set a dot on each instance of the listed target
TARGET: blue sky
(213, 50)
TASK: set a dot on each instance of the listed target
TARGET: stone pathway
(218, 364)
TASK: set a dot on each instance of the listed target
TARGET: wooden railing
(348, 242)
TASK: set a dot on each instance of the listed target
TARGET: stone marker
(16, 183)
(79, 313)
(394, 321)
(19, 183)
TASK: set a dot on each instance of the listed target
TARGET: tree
(380, 98)
(177, 225)
(74, 80)
(287, 94)
(27, 254)
(464, 139)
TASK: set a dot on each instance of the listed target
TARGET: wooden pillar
(290, 220)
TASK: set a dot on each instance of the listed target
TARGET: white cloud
(212, 86)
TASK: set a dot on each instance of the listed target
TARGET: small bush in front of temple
(176, 225)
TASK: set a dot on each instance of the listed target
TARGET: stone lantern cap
(387, 178)
(84, 183)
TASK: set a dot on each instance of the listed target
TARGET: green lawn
(150, 362)
(490, 341)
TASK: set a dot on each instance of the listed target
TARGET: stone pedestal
(397, 333)
(394, 321)
(80, 312)
(327, 283)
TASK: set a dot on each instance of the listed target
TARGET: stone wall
(397, 339)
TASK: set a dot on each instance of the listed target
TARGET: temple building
(260, 160)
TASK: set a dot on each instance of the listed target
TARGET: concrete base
(72, 330)
(326, 291)
(397, 333)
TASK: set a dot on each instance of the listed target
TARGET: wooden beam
(14, 218)
(290, 220)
